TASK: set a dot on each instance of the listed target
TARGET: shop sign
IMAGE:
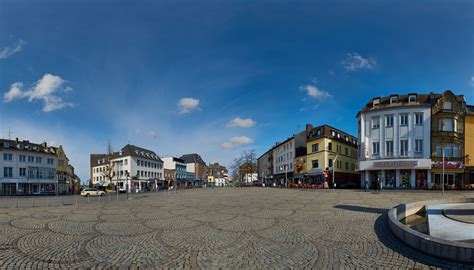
(449, 165)
(395, 163)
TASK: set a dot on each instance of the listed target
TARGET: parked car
(92, 192)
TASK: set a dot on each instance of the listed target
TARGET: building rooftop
(328, 131)
(193, 158)
(27, 146)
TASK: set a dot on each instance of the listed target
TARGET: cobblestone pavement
(216, 228)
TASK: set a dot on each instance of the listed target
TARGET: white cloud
(239, 122)
(354, 61)
(472, 81)
(9, 51)
(45, 89)
(188, 104)
(314, 92)
(151, 133)
(236, 141)
(14, 92)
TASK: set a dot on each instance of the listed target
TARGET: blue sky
(219, 76)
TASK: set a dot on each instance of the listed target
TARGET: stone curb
(440, 248)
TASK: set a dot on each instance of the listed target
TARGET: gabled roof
(193, 158)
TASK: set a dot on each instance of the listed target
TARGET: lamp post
(286, 175)
(442, 180)
(334, 171)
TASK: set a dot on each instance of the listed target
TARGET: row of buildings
(310, 157)
(138, 169)
(35, 169)
(404, 141)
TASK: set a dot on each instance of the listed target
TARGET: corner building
(394, 136)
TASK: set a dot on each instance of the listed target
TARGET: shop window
(405, 178)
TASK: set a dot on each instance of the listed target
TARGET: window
(456, 150)
(376, 102)
(330, 163)
(7, 156)
(315, 163)
(403, 119)
(315, 147)
(375, 148)
(412, 98)
(30, 159)
(393, 100)
(38, 159)
(8, 172)
(333, 133)
(418, 119)
(446, 124)
(438, 150)
(347, 151)
(448, 151)
(418, 146)
(22, 171)
(126, 161)
(375, 122)
(403, 147)
(22, 158)
(389, 148)
(347, 165)
(447, 105)
(389, 121)
(51, 161)
(330, 146)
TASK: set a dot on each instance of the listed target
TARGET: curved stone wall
(451, 250)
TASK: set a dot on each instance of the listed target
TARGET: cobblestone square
(224, 228)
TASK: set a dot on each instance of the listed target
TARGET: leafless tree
(245, 163)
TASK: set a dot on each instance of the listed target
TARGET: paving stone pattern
(220, 228)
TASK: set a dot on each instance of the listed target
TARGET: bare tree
(110, 149)
(246, 163)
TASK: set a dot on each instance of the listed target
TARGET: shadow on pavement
(364, 209)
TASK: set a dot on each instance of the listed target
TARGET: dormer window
(412, 98)
(376, 102)
(447, 105)
(393, 99)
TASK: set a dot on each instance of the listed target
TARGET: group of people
(376, 184)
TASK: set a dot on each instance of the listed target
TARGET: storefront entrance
(421, 179)
(8, 189)
(390, 179)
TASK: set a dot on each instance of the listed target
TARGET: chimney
(16, 140)
(309, 127)
(44, 144)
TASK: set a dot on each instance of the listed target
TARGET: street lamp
(334, 171)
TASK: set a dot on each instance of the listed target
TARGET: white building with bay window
(27, 168)
(394, 136)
